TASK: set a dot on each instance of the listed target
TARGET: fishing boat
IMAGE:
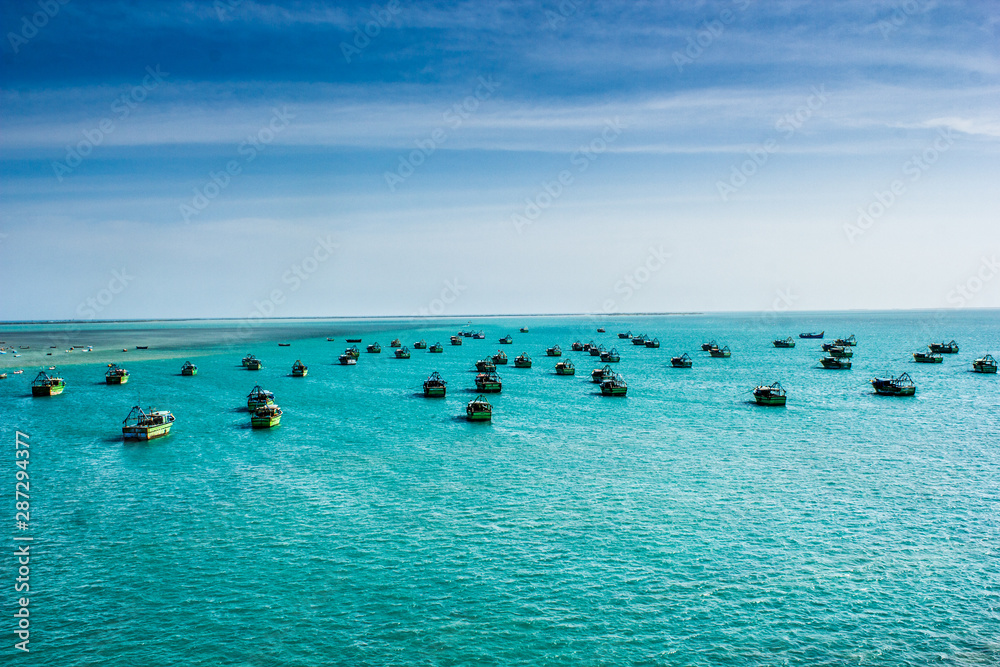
(467, 334)
(456, 340)
(436, 348)
(500, 358)
(299, 369)
(901, 386)
(554, 351)
(479, 410)
(142, 425)
(116, 375)
(374, 348)
(420, 345)
(596, 350)
(784, 342)
(3, 376)
(403, 353)
(347, 359)
(653, 343)
(434, 386)
(840, 352)
(507, 340)
(626, 335)
(266, 416)
(189, 369)
(395, 342)
(46, 385)
(818, 334)
(142, 347)
(524, 329)
(944, 348)
(489, 383)
(254, 364)
(723, 353)
(577, 346)
(683, 361)
(600, 329)
(565, 368)
(258, 397)
(329, 340)
(247, 359)
(599, 374)
(279, 345)
(611, 356)
(709, 346)
(985, 364)
(928, 357)
(353, 351)
(485, 366)
(353, 340)
(836, 363)
(639, 340)
(614, 385)
(850, 341)
(479, 335)
(587, 347)
(770, 395)
(522, 361)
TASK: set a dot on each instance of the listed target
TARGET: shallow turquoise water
(680, 525)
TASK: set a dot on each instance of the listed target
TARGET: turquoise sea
(680, 525)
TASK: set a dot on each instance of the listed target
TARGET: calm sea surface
(681, 525)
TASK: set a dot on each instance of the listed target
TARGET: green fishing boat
(944, 348)
(479, 410)
(434, 386)
(565, 368)
(785, 342)
(614, 385)
(436, 348)
(395, 342)
(507, 340)
(524, 329)
(928, 357)
(489, 383)
(985, 364)
(403, 353)
(420, 345)
(299, 369)
(683, 361)
(141, 425)
(485, 366)
(255, 365)
(850, 341)
(599, 375)
(901, 386)
(653, 343)
(722, 353)
(247, 359)
(522, 361)
(500, 358)
(771, 395)
(116, 375)
(189, 369)
(840, 352)
(836, 363)
(266, 416)
(258, 397)
(353, 351)
(456, 340)
(46, 385)
(554, 351)
(611, 356)
(639, 340)
(374, 348)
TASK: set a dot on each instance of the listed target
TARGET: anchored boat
(600, 329)
(347, 359)
(524, 329)
(554, 351)
(596, 350)
(683, 361)
(489, 383)
(254, 364)
(709, 346)
(420, 345)
(944, 348)
(599, 374)
(485, 366)
(353, 351)
(639, 340)
(116, 375)
(611, 356)
(434, 386)
(840, 352)
(479, 410)
(985, 364)
(785, 342)
(403, 353)
(653, 343)
(565, 368)
(266, 416)
(374, 348)
(353, 340)
(836, 363)
(395, 342)
(812, 335)
(436, 348)
(479, 335)
(626, 335)
(928, 357)
(850, 341)
(299, 369)
(577, 346)
(506, 340)
(141, 425)
(522, 361)
(614, 385)
(500, 358)
(901, 386)
(247, 359)
(189, 369)
(456, 340)
(772, 395)
(46, 385)
(723, 353)
(258, 397)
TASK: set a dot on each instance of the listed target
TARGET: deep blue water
(681, 525)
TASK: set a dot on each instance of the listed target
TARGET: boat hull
(984, 369)
(479, 416)
(434, 392)
(265, 422)
(187, 372)
(771, 400)
(300, 373)
(893, 391)
(928, 360)
(145, 432)
(614, 391)
(677, 363)
(489, 387)
(609, 359)
(47, 391)
(522, 364)
(565, 371)
(118, 379)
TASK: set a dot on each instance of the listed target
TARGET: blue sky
(239, 158)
